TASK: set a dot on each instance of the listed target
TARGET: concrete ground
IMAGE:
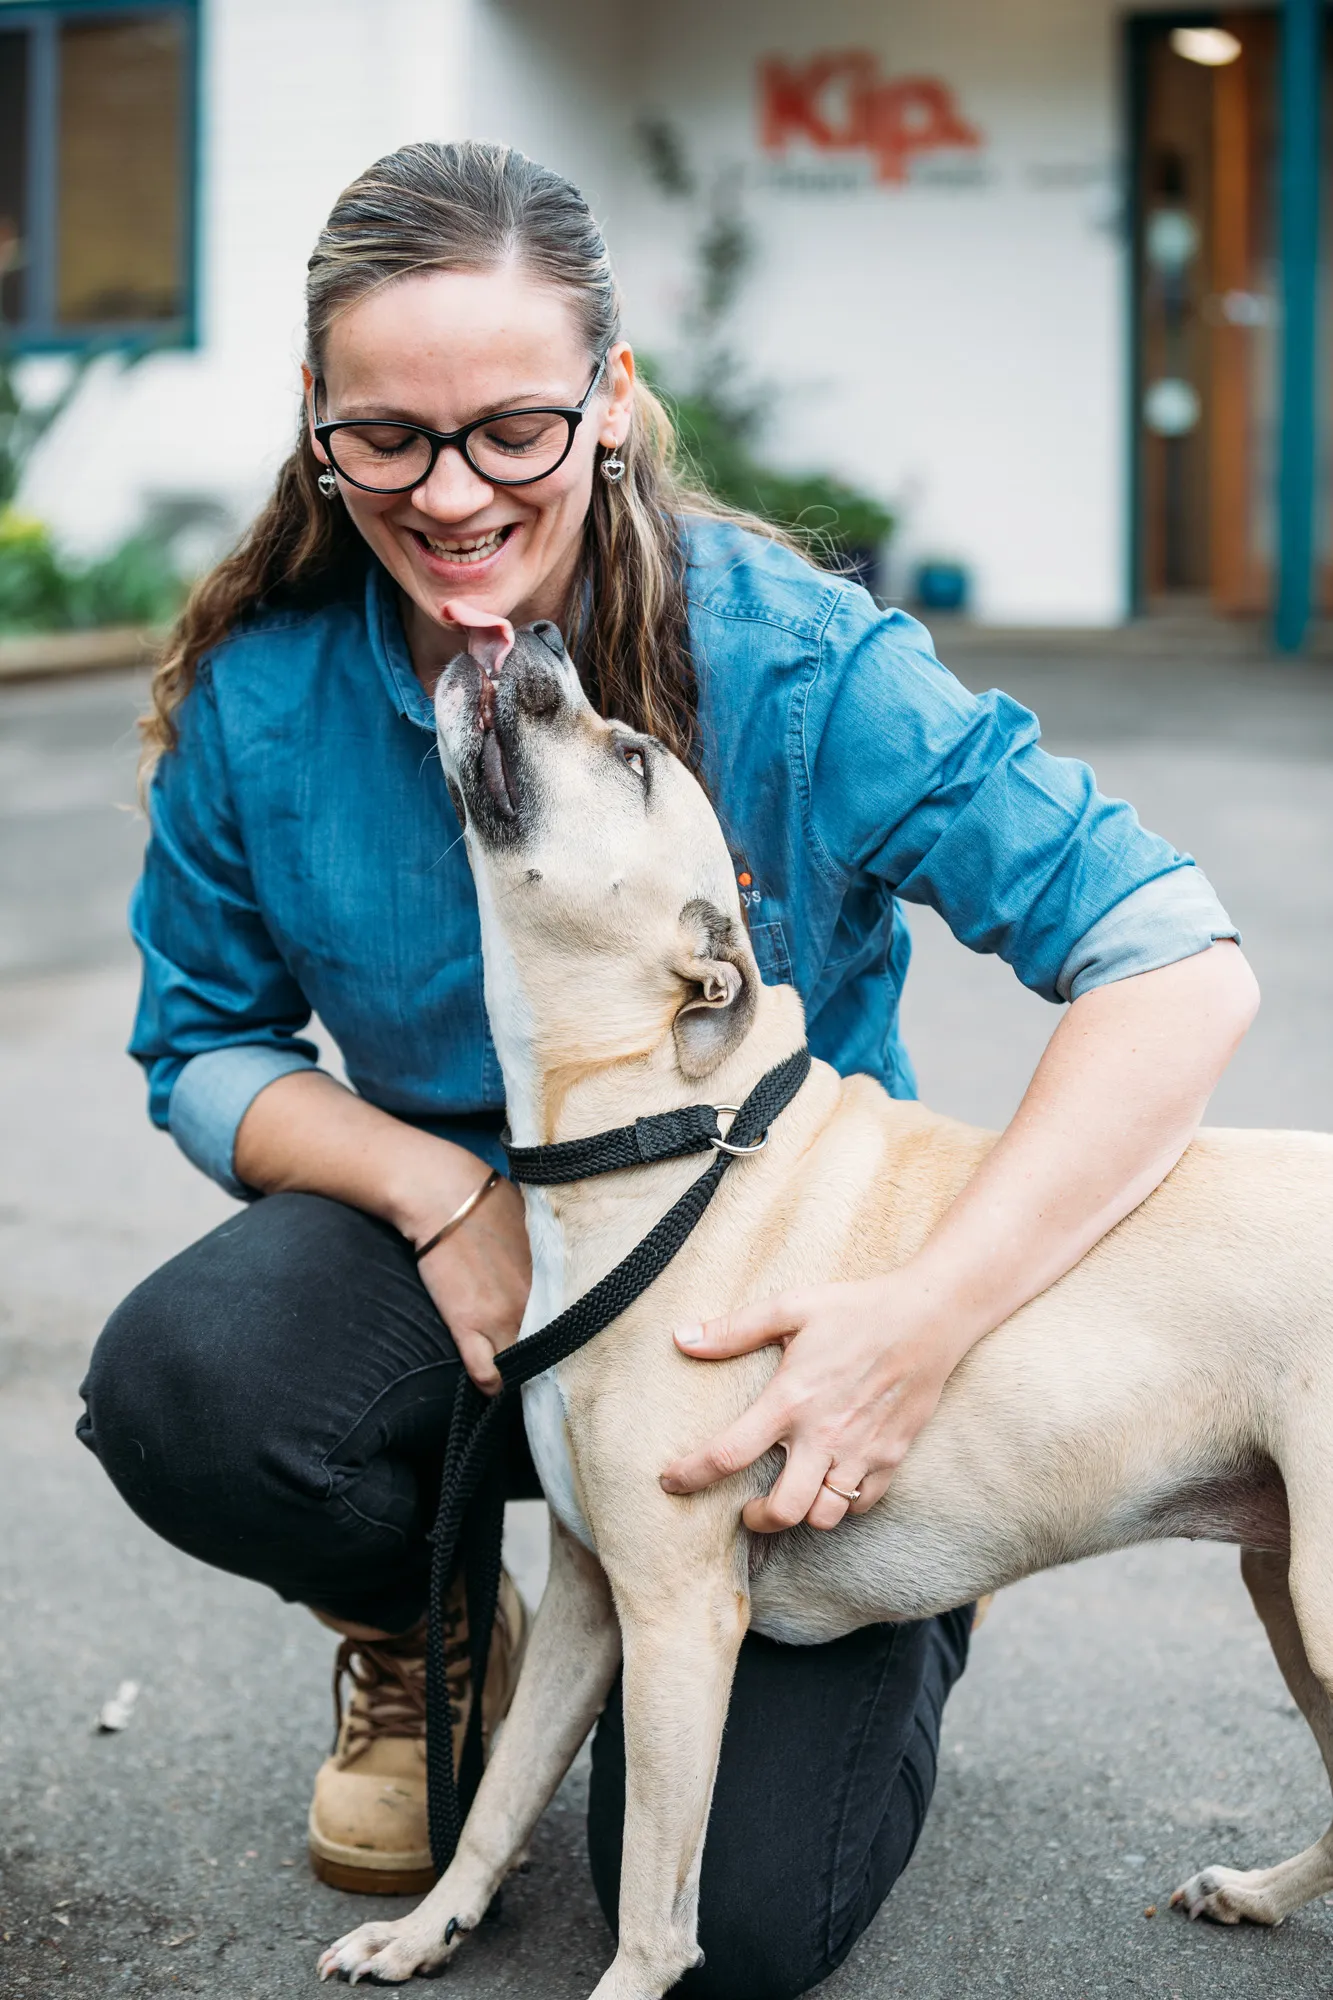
(1122, 1722)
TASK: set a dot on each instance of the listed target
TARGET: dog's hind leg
(1295, 1630)
(567, 1672)
(680, 1658)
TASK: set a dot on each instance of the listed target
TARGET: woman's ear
(723, 976)
(308, 388)
(620, 373)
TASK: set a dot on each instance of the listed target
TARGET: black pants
(274, 1401)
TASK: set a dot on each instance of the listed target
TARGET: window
(97, 173)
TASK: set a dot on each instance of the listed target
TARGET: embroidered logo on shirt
(750, 896)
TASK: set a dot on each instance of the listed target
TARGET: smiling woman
(489, 487)
(476, 452)
(465, 379)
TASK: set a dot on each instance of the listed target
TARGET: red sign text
(839, 103)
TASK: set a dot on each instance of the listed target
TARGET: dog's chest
(543, 1403)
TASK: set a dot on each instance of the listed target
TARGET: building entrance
(1205, 289)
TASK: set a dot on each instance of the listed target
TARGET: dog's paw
(387, 1954)
(1228, 1896)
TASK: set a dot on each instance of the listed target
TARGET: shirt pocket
(769, 944)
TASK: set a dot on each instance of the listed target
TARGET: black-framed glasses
(394, 458)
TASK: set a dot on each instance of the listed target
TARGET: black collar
(664, 1135)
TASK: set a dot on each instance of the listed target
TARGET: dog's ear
(723, 975)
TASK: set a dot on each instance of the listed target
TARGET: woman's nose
(453, 490)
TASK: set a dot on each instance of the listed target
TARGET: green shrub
(32, 582)
(843, 519)
(41, 591)
(136, 585)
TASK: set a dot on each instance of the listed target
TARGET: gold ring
(842, 1492)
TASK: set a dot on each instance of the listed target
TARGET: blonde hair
(470, 206)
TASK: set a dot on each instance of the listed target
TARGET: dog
(1178, 1381)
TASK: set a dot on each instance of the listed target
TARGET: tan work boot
(367, 1826)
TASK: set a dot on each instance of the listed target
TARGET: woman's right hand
(479, 1279)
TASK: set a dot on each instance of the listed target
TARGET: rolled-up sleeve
(949, 798)
(219, 1013)
(1172, 917)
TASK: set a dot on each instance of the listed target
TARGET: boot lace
(388, 1677)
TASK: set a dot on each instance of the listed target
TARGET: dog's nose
(536, 683)
(550, 636)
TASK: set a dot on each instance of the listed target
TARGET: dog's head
(606, 889)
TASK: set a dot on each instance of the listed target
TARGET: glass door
(1204, 288)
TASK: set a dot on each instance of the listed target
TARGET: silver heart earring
(613, 466)
(327, 484)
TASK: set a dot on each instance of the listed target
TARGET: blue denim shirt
(304, 853)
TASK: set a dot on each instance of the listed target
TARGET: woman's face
(442, 348)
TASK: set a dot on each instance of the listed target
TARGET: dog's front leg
(680, 1657)
(567, 1670)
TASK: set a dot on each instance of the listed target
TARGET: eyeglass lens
(393, 457)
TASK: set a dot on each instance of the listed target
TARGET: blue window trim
(38, 332)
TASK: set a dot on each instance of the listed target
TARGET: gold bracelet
(460, 1215)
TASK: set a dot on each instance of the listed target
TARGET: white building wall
(959, 349)
(556, 77)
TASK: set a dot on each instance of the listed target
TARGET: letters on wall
(840, 103)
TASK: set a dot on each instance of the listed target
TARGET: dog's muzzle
(484, 714)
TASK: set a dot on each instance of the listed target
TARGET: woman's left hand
(863, 1368)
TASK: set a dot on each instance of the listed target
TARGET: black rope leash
(472, 1483)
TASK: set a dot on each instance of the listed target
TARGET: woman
(274, 1400)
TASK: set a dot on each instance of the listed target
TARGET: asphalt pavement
(1121, 1723)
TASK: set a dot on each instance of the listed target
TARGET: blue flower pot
(942, 586)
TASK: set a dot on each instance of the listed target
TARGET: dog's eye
(629, 754)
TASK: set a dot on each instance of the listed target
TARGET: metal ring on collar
(737, 1152)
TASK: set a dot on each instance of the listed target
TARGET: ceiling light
(1212, 46)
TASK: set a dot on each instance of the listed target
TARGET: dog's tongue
(490, 637)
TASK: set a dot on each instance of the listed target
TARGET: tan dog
(1179, 1381)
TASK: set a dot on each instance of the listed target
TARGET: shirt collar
(384, 624)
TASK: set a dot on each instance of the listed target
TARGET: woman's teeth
(475, 549)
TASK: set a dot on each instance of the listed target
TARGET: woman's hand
(304, 1131)
(1116, 1099)
(479, 1279)
(863, 1368)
